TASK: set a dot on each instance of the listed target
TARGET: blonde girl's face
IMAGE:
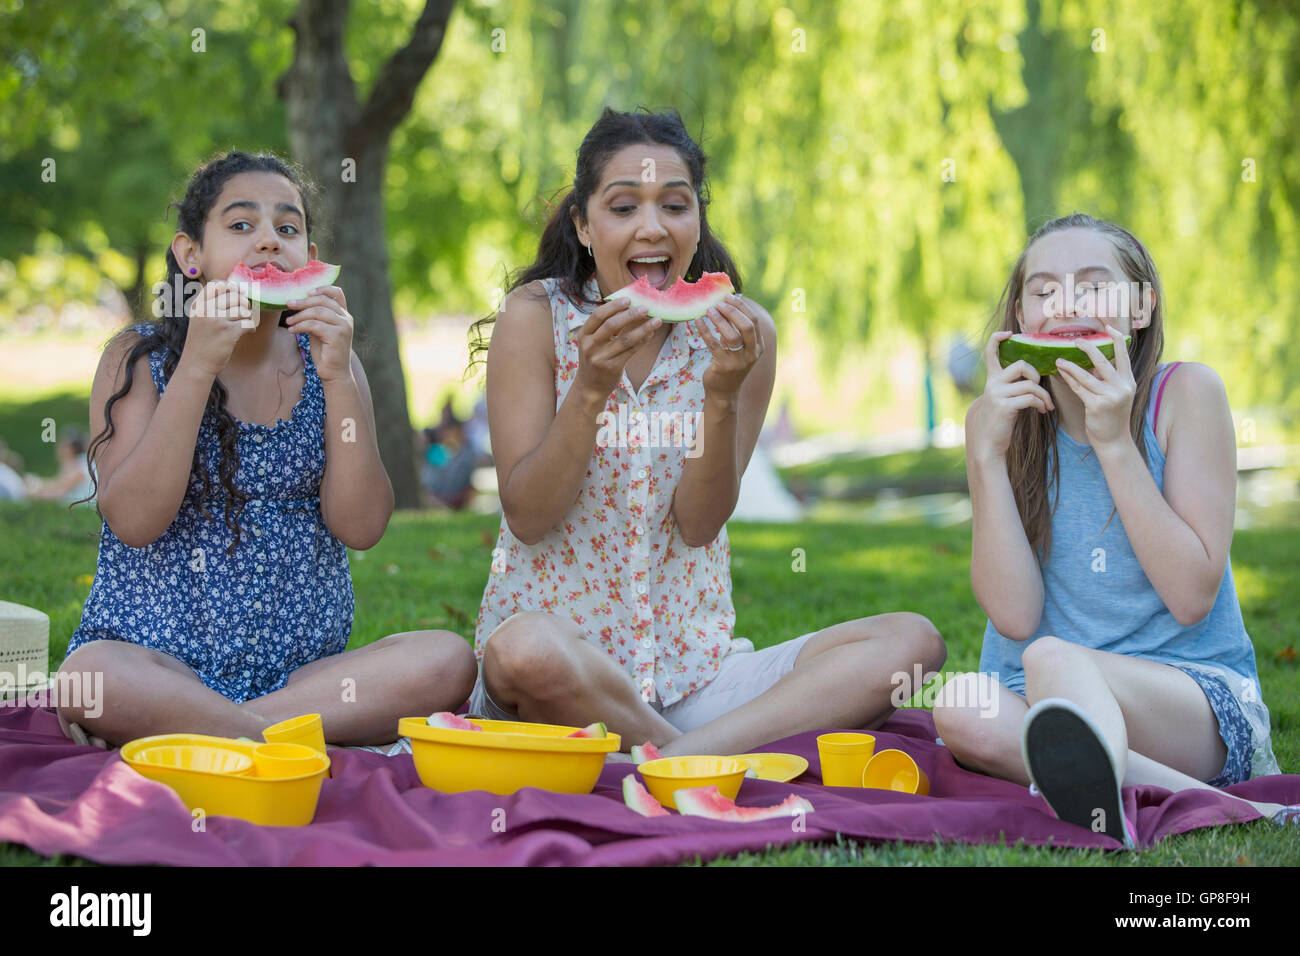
(645, 208)
(1074, 283)
(257, 218)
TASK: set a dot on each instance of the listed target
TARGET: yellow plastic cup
(307, 730)
(895, 770)
(844, 756)
(281, 761)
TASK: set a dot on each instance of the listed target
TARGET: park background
(875, 169)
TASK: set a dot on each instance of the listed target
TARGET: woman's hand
(1106, 391)
(605, 344)
(736, 348)
(992, 416)
(218, 317)
(324, 316)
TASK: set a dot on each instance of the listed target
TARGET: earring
(193, 271)
(589, 252)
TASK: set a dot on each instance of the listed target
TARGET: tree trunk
(344, 147)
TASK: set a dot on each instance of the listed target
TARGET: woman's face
(1075, 283)
(257, 218)
(644, 207)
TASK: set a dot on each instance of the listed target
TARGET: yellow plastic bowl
(665, 776)
(288, 801)
(506, 756)
(197, 758)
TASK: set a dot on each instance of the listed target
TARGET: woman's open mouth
(655, 268)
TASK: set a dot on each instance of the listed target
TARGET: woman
(619, 444)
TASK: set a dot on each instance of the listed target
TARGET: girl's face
(644, 207)
(1074, 283)
(257, 218)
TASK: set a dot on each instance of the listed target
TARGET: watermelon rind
(284, 287)
(638, 798)
(681, 302)
(709, 802)
(1041, 353)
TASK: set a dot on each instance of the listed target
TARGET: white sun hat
(24, 650)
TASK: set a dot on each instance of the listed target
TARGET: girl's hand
(992, 416)
(1106, 391)
(605, 344)
(219, 315)
(324, 316)
(736, 347)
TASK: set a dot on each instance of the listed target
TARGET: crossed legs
(360, 694)
(1155, 719)
(541, 667)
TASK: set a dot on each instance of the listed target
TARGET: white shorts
(743, 675)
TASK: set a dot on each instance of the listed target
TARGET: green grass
(430, 569)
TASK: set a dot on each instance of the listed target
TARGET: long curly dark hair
(562, 255)
(172, 325)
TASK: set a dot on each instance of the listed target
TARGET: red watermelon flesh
(638, 798)
(681, 302)
(709, 802)
(265, 284)
(644, 752)
(449, 721)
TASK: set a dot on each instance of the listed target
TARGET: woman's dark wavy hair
(170, 329)
(561, 255)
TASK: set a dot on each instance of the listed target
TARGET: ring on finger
(738, 348)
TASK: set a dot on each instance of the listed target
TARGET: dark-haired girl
(235, 462)
(1115, 651)
(619, 444)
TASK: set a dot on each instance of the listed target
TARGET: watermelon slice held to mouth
(267, 285)
(680, 302)
(1042, 351)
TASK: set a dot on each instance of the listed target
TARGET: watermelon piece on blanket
(638, 798)
(709, 802)
(265, 284)
(682, 301)
(1042, 351)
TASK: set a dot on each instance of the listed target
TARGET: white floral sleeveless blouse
(617, 564)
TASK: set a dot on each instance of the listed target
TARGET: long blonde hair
(1032, 452)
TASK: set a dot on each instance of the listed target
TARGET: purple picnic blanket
(60, 798)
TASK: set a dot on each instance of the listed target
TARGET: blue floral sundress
(243, 622)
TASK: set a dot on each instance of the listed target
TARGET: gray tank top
(1095, 591)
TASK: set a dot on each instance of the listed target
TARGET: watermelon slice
(638, 798)
(591, 730)
(267, 285)
(709, 802)
(681, 302)
(646, 751)
(448, 721)
(1042, 351)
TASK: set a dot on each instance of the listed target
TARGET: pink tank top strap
(1160, 393)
